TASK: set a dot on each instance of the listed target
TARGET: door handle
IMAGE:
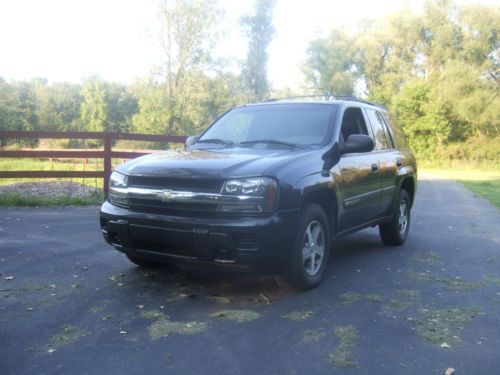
(374, 167)
(399, 162)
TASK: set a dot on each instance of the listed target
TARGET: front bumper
(261, 242)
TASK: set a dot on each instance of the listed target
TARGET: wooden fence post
(107, 162)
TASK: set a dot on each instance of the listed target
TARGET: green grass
(485, 183)
(12, 199)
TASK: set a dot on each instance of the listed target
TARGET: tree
(187, 35)
(387, 51)
(152, 112)
(122, 106)
(424, 117)
(58, 106)
(259, 29)
(94, 108)
(330, 65)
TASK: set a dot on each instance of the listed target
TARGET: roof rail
(327, 98)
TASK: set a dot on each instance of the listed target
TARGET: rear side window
(382, 137)
(397, 130)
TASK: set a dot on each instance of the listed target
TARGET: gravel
(52, 189)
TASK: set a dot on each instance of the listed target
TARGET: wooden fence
(106, 153)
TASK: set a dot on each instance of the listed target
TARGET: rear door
(359, 176)
(387, 156)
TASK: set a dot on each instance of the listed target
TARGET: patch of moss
(313, 335)
(351, 297)
(343, 354)
(461, 285)
(96, 310)
(220, 299)
(239, 316)
(373, 298)
(296, 316)
(421, 276)
(490, 279)
(163, 327)
(442, 326)
(68, 335)
(152, 314)
(395, 304)
(428, 258)
(409, 294)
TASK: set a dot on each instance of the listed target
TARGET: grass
(13, 199)
(239, 316)
(485, 183)
(441, 327)
(67, 335)
(343, 354)
(296, 316)
(163, 327)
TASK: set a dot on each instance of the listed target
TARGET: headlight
(260, 187)
(117, 188)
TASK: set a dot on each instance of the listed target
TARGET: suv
(267, 186)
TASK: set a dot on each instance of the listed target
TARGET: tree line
(437, 71)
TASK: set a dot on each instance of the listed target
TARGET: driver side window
(353, 122)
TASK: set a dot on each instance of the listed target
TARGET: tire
(143, 262)
(307, 263)
(396, 232)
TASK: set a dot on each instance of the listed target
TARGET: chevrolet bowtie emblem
(166, 195)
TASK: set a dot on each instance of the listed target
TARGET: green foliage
(259, 29)
(12, 199)
(152, 116)
(94, 108)
(330, 64)
(422, 116)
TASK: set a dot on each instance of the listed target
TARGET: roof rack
(326, 98)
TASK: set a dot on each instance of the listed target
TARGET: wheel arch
(408, 183)
(327, 199)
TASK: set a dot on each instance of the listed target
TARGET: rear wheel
(396, 232)
(310, 251)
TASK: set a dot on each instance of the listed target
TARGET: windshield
(278, 125)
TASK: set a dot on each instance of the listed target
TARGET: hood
(218, 163)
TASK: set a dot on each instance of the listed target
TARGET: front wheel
(310, 251)
(395, 232)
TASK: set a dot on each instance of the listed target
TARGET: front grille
(175, 183)
(170, 206)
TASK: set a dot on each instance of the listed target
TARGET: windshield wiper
(272, 141)
(216, 140)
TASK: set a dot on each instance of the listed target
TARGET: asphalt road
(69, 304)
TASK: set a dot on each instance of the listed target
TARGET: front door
(359, 176)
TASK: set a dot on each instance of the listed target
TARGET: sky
(68, 40)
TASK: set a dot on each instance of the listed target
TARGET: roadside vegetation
(437, 71)
(14, 199)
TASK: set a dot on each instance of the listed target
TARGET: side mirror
(357, 143)
(192, 139)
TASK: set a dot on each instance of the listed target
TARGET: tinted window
(382, 142)
(397, 131)
(302, 124)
